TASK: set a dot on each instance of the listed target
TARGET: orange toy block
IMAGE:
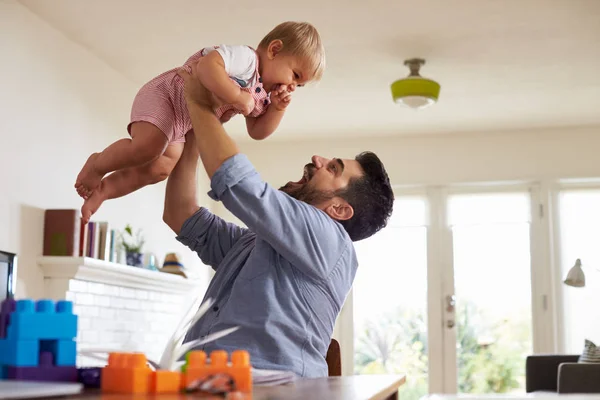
(239, 368)
(165, 382)
(126, 373)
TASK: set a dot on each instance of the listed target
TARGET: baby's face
(285, 70)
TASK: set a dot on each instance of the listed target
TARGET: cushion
(591, 353)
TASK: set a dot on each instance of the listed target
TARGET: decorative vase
(134, 259)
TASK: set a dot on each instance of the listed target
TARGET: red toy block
(126, 373)
(239, 369)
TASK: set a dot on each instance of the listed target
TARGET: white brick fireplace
(119, 307)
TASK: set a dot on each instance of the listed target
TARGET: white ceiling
(503, 64)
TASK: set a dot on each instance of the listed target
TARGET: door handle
(450, 303)
(450, 308)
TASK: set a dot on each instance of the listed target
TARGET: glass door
(488, 315)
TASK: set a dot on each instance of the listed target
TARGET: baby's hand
(281, 97)
(245, 104)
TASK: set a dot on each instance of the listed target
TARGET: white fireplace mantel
(93, 270)
(119, 306)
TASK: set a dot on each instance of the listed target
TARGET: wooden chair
(334, 359)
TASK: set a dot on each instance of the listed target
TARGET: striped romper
(161, 102)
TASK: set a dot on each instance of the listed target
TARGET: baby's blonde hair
(300, 39)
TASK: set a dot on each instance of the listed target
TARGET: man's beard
(304, 191)
(307, 194)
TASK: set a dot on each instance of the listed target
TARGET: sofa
(561, 374)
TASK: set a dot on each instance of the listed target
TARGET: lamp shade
(415, 92)
(575, 277)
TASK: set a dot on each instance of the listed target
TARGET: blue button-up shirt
(283, 280)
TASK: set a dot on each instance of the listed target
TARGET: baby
(255, 83)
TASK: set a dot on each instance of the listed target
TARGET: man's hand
(194, 91)
(227, 115)
(281, 97)
(245, 103)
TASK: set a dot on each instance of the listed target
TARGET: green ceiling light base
(414, 91)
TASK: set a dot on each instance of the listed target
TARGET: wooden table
(528, 396)
(358, 387)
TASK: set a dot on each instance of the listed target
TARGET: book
(90, 239)
(96, 248)
(83, 239)
(113, 246)
(62, 232)
(104, 241)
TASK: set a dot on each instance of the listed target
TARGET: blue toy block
(42, 321)
(19, 353)
(64, 352)
(8, 306)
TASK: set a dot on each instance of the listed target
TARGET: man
(284, 279)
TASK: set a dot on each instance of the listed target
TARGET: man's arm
(197, 228)
(301, 233)
(181, 196)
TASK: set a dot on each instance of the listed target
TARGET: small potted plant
(132, 244)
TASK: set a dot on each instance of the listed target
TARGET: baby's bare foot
(89, 178)
(92, 204)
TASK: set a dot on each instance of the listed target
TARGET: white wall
(60, 103)
(494, 156)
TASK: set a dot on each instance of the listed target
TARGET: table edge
(391, 388)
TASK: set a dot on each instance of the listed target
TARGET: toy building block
(89, 376)
(239, 369)
(21, 353)
(8, 306)
(30, 327)
(42, 321)
(126, 373)
(166, 382)
(46, 371)
(64, 352)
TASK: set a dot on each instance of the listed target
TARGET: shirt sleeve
(240, 61)
(304, 235)
(209, 236)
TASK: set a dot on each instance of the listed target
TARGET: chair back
(334, 359)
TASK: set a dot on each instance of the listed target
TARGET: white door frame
(553, 191)
(543, 306)
(440, 279)
(439, 337)
(435, 290)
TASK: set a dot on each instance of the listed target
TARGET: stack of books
(66, 235)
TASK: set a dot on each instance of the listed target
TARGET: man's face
(321, 179)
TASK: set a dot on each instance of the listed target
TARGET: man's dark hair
(370, 196)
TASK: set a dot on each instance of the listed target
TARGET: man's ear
(275, 48)
(340, 210)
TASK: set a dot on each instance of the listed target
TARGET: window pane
(492, 278)
(390, 296)
(487, 208)
(579, 213)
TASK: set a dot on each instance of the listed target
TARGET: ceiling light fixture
(414, 91)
